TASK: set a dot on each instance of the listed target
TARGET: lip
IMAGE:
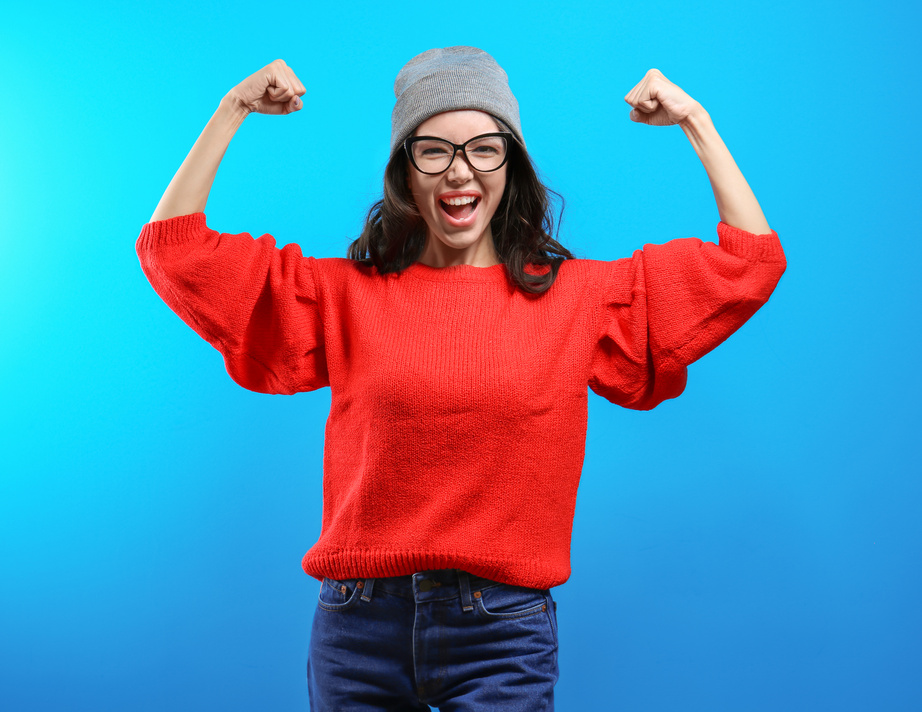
(460, 194)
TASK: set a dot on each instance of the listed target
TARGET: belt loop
(367, 588)
(465, 582)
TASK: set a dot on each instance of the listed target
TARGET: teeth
(460, 201)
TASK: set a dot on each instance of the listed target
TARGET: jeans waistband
(432, 585)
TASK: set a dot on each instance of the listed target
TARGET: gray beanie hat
(447, 80)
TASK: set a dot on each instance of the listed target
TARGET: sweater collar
(457, 273)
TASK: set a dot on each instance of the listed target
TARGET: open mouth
(460, 211)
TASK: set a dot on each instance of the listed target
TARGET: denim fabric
(443, 638)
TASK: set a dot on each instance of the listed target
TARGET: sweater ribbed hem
(376, 563)
(748, 245)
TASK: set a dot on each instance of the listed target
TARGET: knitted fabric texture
(451, 79)
(458, 415)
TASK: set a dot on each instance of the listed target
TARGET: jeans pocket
(338, 595)
(505, 601)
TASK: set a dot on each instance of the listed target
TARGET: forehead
(457, 126)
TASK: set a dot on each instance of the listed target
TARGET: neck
(437, 254)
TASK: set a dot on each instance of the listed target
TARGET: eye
(487, 147)
(485, 150)
(433, 151)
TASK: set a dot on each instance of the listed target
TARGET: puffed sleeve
(668, 305)
(254, 302)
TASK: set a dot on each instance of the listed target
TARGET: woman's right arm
(274, 89)
(189, 189)
(255, 303)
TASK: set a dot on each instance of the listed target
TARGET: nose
(460, 170)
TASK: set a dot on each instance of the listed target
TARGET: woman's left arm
(659, 102)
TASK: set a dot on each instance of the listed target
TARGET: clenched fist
(274, 89)
(659, 102)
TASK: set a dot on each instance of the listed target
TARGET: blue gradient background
(753, 545)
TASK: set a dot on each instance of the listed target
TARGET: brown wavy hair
(394, 234)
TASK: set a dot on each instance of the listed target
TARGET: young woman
(459, 340)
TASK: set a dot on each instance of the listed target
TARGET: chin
(460, 241)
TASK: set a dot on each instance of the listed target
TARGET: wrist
(234, 107)
(698, 119)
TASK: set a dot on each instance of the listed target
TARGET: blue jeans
(444, 638)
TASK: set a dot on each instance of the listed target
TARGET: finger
(293, 83)
(297, 90)
(643, 99)
(296, 84)
(636, 87)
(646, 97)
(651, 118)
(632, 94)
(279, 87)
(281, 94)
(296, 93)
(287, 79)
(644, 102)
(639, 87)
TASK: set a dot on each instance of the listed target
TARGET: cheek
(497, 189)
(419, 193)
(500, 184)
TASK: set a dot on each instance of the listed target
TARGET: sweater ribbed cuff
(173, 231)
(763, 248)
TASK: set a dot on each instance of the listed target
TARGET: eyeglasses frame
(458, 147)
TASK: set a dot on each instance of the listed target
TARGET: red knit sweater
(458, 419)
